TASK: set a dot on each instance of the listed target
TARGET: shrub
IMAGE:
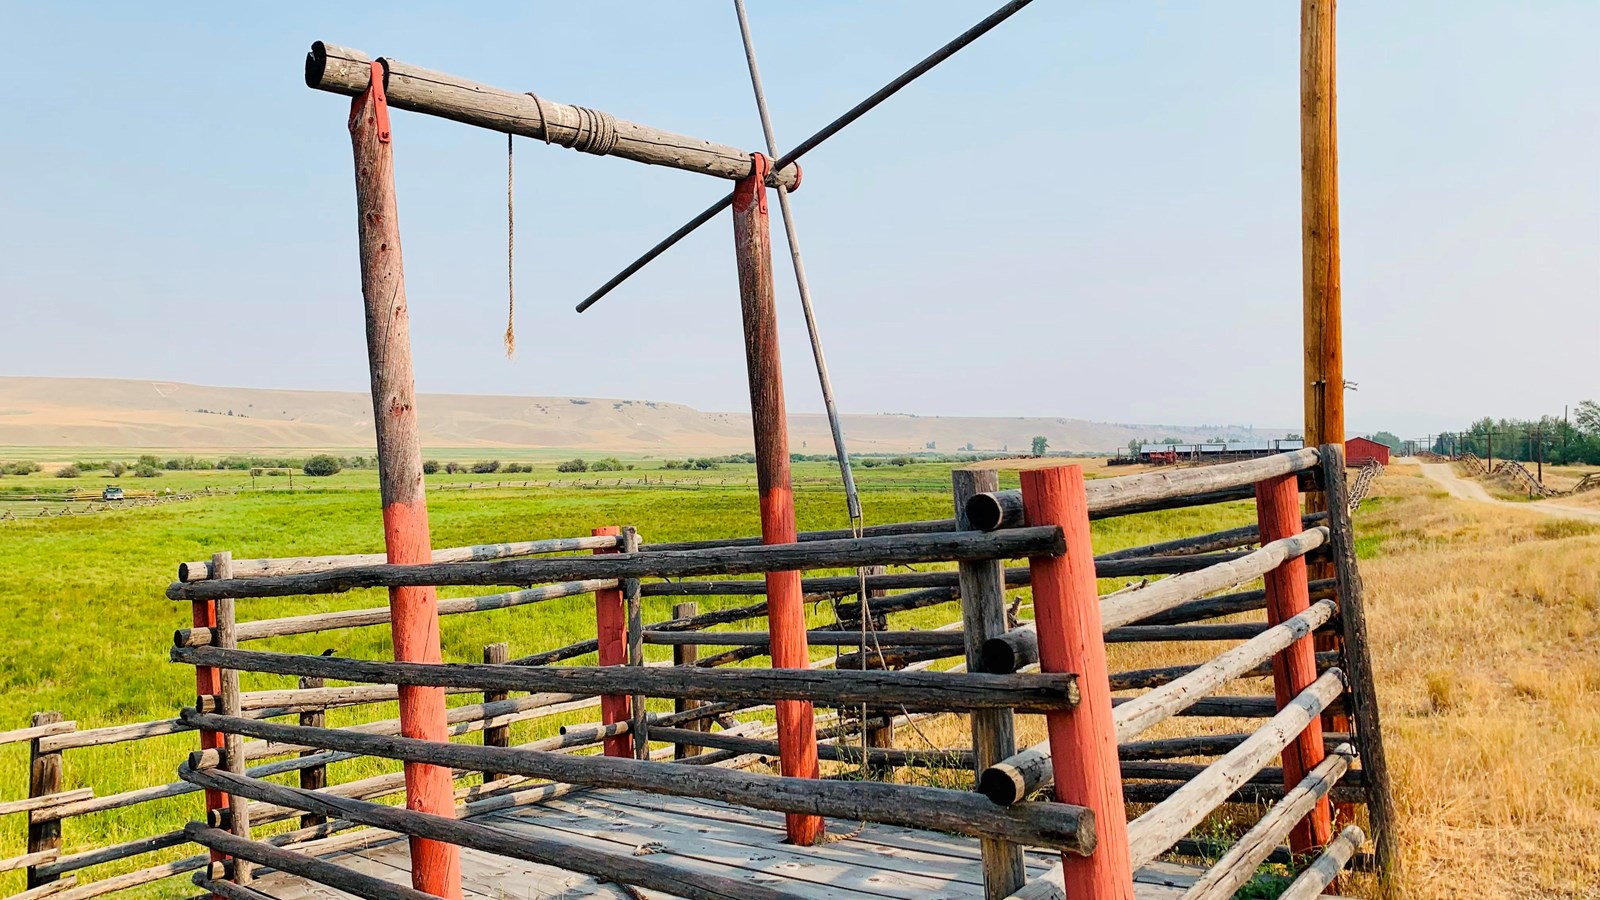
(256, 472)
(609, 464)
(322, 465)
(20, 468)
(430, 467)
(573, 465)
(452, 467)
(485, 466)
(71, 471)
(705, 462)
(518, 467)
(146, 470)
(116, 468)
(674, 464)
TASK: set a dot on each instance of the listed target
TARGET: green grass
(89, 627)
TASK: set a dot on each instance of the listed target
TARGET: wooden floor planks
(878, 862)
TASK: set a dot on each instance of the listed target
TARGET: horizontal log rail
(934, 759)
(36, 731)
(311, 868)
(341, 70)
(1135, 493)
(848, 553)
(300, 565)
(35, 805)
(1206, 543)
(1153, 832)
(1244, 858)
(814, 637)
(1202, 745)
(1055, 825)
(1326, 868)
(1144, 601)
(356, 618)
(1018, 776)
(913, 690)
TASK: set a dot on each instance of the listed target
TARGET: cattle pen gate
(1117, 801)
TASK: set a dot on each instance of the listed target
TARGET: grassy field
(1486, 623)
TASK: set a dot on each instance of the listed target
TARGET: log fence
(547, 731)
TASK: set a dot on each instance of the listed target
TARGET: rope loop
(596, 131)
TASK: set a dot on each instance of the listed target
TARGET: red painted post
(786, 612)
(1295, 668)
(435, 865)
(208, 683)
(611, 629)
(1083, 741)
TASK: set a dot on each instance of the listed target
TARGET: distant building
(1358, 451)
(1171, 454)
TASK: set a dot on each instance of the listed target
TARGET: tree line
(1554, 439)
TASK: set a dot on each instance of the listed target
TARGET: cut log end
(1004, 785)
(1008, 653)
(984, 511)
(316, 65)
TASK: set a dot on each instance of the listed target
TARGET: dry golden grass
(1486, 636)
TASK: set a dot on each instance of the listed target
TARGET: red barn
(1359, 451)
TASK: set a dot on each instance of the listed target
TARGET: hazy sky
(1092, 212)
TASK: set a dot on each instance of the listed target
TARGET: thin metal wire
(812, 142)
(790, 230)
(511, 269)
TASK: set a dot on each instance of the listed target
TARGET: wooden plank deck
(858, 863)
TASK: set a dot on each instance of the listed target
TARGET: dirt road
(1444, 475)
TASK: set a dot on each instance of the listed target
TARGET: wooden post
(1363, 697)
(44, 777)
(994, 734)
(1319, 213)
(786, 616)
(877, 735)
(1083, 742)
(496, 735)
(632, 598)
(313, 778)
(227, 637)
(611, 629)
(1295, 668)
(686, 655)
(435, 866)
(207, 683)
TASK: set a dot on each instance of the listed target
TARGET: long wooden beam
(915, 548)
(341, 70)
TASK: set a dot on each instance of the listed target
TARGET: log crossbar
(913, 690)
(844, 553)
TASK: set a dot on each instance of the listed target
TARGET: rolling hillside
(132, 414)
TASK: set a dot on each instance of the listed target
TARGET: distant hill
(130, 414)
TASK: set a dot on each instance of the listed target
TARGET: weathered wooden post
(633, 600)
(435, 865)
(1295, 668)
(44, 778)
(227, 637)
(207, 683)
(994, 734)
(313, 778)
(877, 723)
(611, 630)
(1083, 741)
(786, 614)
(496, 735)
(686, 655)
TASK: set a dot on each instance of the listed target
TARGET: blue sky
(1092, 212)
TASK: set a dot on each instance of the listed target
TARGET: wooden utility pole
(1319, 216)
(786, 612)
(435, 865)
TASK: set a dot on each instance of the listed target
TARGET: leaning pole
(435, 865)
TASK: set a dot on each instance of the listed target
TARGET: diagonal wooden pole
(435, 866)
(786, 612)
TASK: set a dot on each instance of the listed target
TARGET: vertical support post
(633, 599)
(227, 638)
(313, 778)
(207, 683)
(1294, 668)
(435, 865)
(1363, 695)
(786, 613)
(994, 733)
(1083, 741)
(878, 723)
(496, 735)
(44, 778)
(1319, 214)
(686, 655)
(611, 629)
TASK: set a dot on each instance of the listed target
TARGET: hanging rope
(511, 246)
